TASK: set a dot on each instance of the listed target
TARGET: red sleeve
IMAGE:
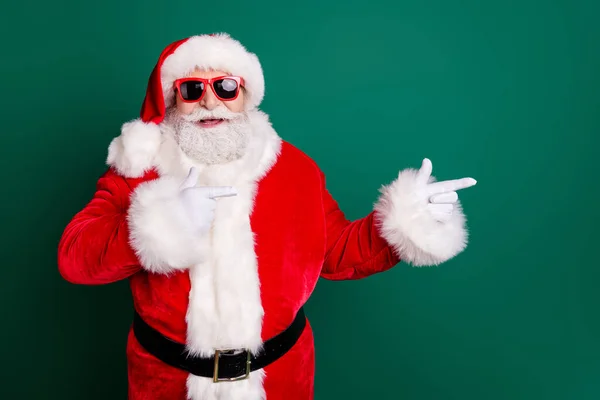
(94, 248)
(355, 249)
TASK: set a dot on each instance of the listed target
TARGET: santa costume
(233, 295)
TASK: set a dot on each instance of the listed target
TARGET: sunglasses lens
(226, 88)
(191, 90)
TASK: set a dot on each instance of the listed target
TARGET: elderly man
(223, 229)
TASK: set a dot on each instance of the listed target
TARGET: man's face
(210, 131)
(210, 101)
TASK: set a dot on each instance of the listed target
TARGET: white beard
(216, 145)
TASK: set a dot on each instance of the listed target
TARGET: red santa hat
(140, 138)
(214, 51)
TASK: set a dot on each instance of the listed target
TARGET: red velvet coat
(269, 247)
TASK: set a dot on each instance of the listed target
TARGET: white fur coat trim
(132, 153)
(410, 229)
(160, 233)
(225, 308)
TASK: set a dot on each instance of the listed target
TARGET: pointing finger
(450, 186)
(425, 171)
(213, 192)
(191, 179)
(444, 198)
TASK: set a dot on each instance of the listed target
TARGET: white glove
(440, 196)
(199, 202)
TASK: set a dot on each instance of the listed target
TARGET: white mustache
(220, 112)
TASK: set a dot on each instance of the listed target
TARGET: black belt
(225, 365)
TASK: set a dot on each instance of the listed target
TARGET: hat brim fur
(214, 52)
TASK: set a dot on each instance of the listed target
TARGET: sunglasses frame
(208, 82)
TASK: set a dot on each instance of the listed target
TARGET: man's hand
(441, 196)
(200, 201)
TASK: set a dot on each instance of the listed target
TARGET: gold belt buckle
(236, 378)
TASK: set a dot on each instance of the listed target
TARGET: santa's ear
(132, 153)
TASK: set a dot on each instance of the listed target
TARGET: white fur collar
(141, 147)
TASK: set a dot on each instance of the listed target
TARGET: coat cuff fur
(160, 233)
(408, 227)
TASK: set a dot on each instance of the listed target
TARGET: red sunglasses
(192, 89)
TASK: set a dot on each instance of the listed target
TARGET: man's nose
(209, 101)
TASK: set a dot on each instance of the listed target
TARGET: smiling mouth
(210, 122)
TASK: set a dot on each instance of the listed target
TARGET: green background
(506, 92)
